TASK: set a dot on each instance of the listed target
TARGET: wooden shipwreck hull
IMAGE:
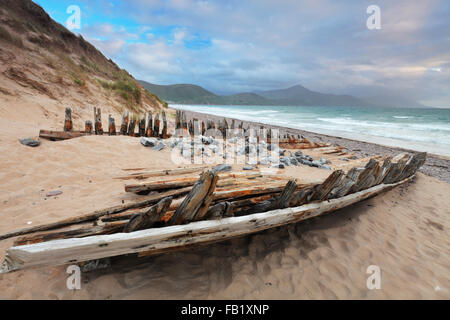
(219, 206)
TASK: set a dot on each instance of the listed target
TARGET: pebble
(222, 168)
(54, 193)
(148, 142)
(159, 147)
(30, 142)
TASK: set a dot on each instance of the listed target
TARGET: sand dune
(404, 232)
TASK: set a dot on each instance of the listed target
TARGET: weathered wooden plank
(147, 219)
(346, 183)
(396, 168)
(160, 173)
(97, 214)
(59, 252)
(60, 135)
(196, 200)
(76, 233)
(322, 191)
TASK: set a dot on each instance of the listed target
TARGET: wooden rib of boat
(201, 217)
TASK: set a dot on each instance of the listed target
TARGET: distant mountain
(181, 93)
(193, 94)
(293, 96)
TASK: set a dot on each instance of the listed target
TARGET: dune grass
(11, 38)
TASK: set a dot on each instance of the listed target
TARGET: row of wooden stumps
(194, 127)
(149, 128)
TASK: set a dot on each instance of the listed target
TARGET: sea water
(421, 129)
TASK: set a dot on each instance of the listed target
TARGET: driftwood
(147, 219)
(157, 240)
(68, 125)
(60, 135)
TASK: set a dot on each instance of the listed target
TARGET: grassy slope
(73, 61)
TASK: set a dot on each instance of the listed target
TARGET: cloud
(230, 46)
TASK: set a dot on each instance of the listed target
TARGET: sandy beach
(403, 231)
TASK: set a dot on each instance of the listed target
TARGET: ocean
(412, 128)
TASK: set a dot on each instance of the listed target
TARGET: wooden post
(112, 126)
(148, 132)
(132, 126)
(98, 121)
(147, 219)
(68, 126)
(124, 125)
(88, 127)
(142, 126)
(164, 134)
(196, 126)
(156, 126)
(191, 128)
(184, 121)
(203, 128)
(178, 120)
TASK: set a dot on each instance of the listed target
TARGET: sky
(242, 46)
